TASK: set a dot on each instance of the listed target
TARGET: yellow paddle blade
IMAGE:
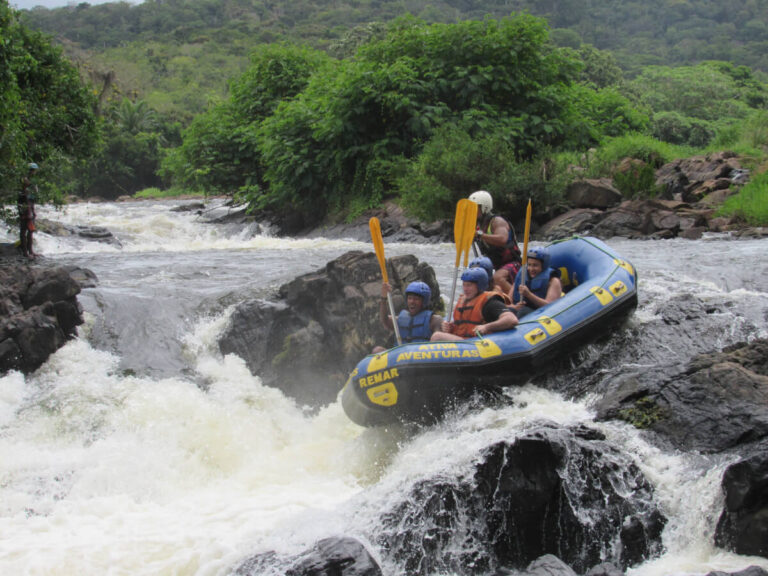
(459, 223)
(378, 245)
(525, 238)
(470, 222)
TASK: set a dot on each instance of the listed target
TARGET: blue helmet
(420, 289)
(485, 263)
(33, 166)
(541, 254)
(476, 275)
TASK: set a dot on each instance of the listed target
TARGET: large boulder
(324, 322)
(39, 311)
(720, 402)
(593, 193)
(743, 524)
(566, 492)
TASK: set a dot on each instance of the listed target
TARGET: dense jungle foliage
(308, 109)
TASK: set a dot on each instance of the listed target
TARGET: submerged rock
(340, 556)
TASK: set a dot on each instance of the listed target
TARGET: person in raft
(485, 263)
(496, 239)
(477, 312)
(416, 322)
(542, 284)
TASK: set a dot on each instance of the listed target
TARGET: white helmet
(482, 199)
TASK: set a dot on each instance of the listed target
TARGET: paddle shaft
(378, 245)
(525, 246)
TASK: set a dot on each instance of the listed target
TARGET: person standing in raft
(416, 322)
(542, 284)
(496, 238)
(25, 204)
(477, 312)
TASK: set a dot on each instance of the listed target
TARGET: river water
(138, 449)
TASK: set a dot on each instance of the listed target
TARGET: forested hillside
(174, 53)
(309, 110)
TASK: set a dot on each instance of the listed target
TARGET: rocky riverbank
(39, 310)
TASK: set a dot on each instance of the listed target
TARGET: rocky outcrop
(565, 492)
(38, 313)
(720, 402)
(690, 190)
(743, 525)
(94, 233)
(307, 342)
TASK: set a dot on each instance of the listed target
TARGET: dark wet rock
(604, 569)
(743, 524)
(548, 565)
(576, 221)
(308, 340)
(340, 556)
(719, 402)
(39, 312)
(749, 571)
(95, 233)
(566, 492)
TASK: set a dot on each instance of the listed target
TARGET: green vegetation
(156, 193)
(341, 106)
(46, 113)
(751, 203)
(643, 413)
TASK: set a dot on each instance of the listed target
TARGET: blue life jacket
(414, 328)
(538, 285)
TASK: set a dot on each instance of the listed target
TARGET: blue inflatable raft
(418, 382)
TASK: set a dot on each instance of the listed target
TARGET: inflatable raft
(418, 382)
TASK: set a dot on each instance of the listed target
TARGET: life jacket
(468, 316)
(22, 203)
(500, 255)
(538, 285)
(414, 328)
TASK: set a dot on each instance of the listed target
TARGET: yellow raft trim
(618, 288)
(550, 325)
(383, 394)
(535, 336)
(487, 348)
(378, 362)
(624, 264)
(603, 295)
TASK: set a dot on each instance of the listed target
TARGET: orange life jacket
(468, 316)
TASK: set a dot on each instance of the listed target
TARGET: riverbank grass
(155, 193)
(751, 203)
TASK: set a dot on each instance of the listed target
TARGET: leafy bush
(675, 128)
(453, 164)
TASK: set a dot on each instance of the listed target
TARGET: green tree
(48, 110)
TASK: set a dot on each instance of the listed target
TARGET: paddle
(463, 233)
(378, 245)
(525, 245)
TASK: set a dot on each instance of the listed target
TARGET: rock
(576, 221)
(548, 565)
(39, 313)
(743, 524)
(593, 194)
(566, 492)
(96, 233)
(750, 571)
(341, 556)
(308, 341)
(720, 402)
